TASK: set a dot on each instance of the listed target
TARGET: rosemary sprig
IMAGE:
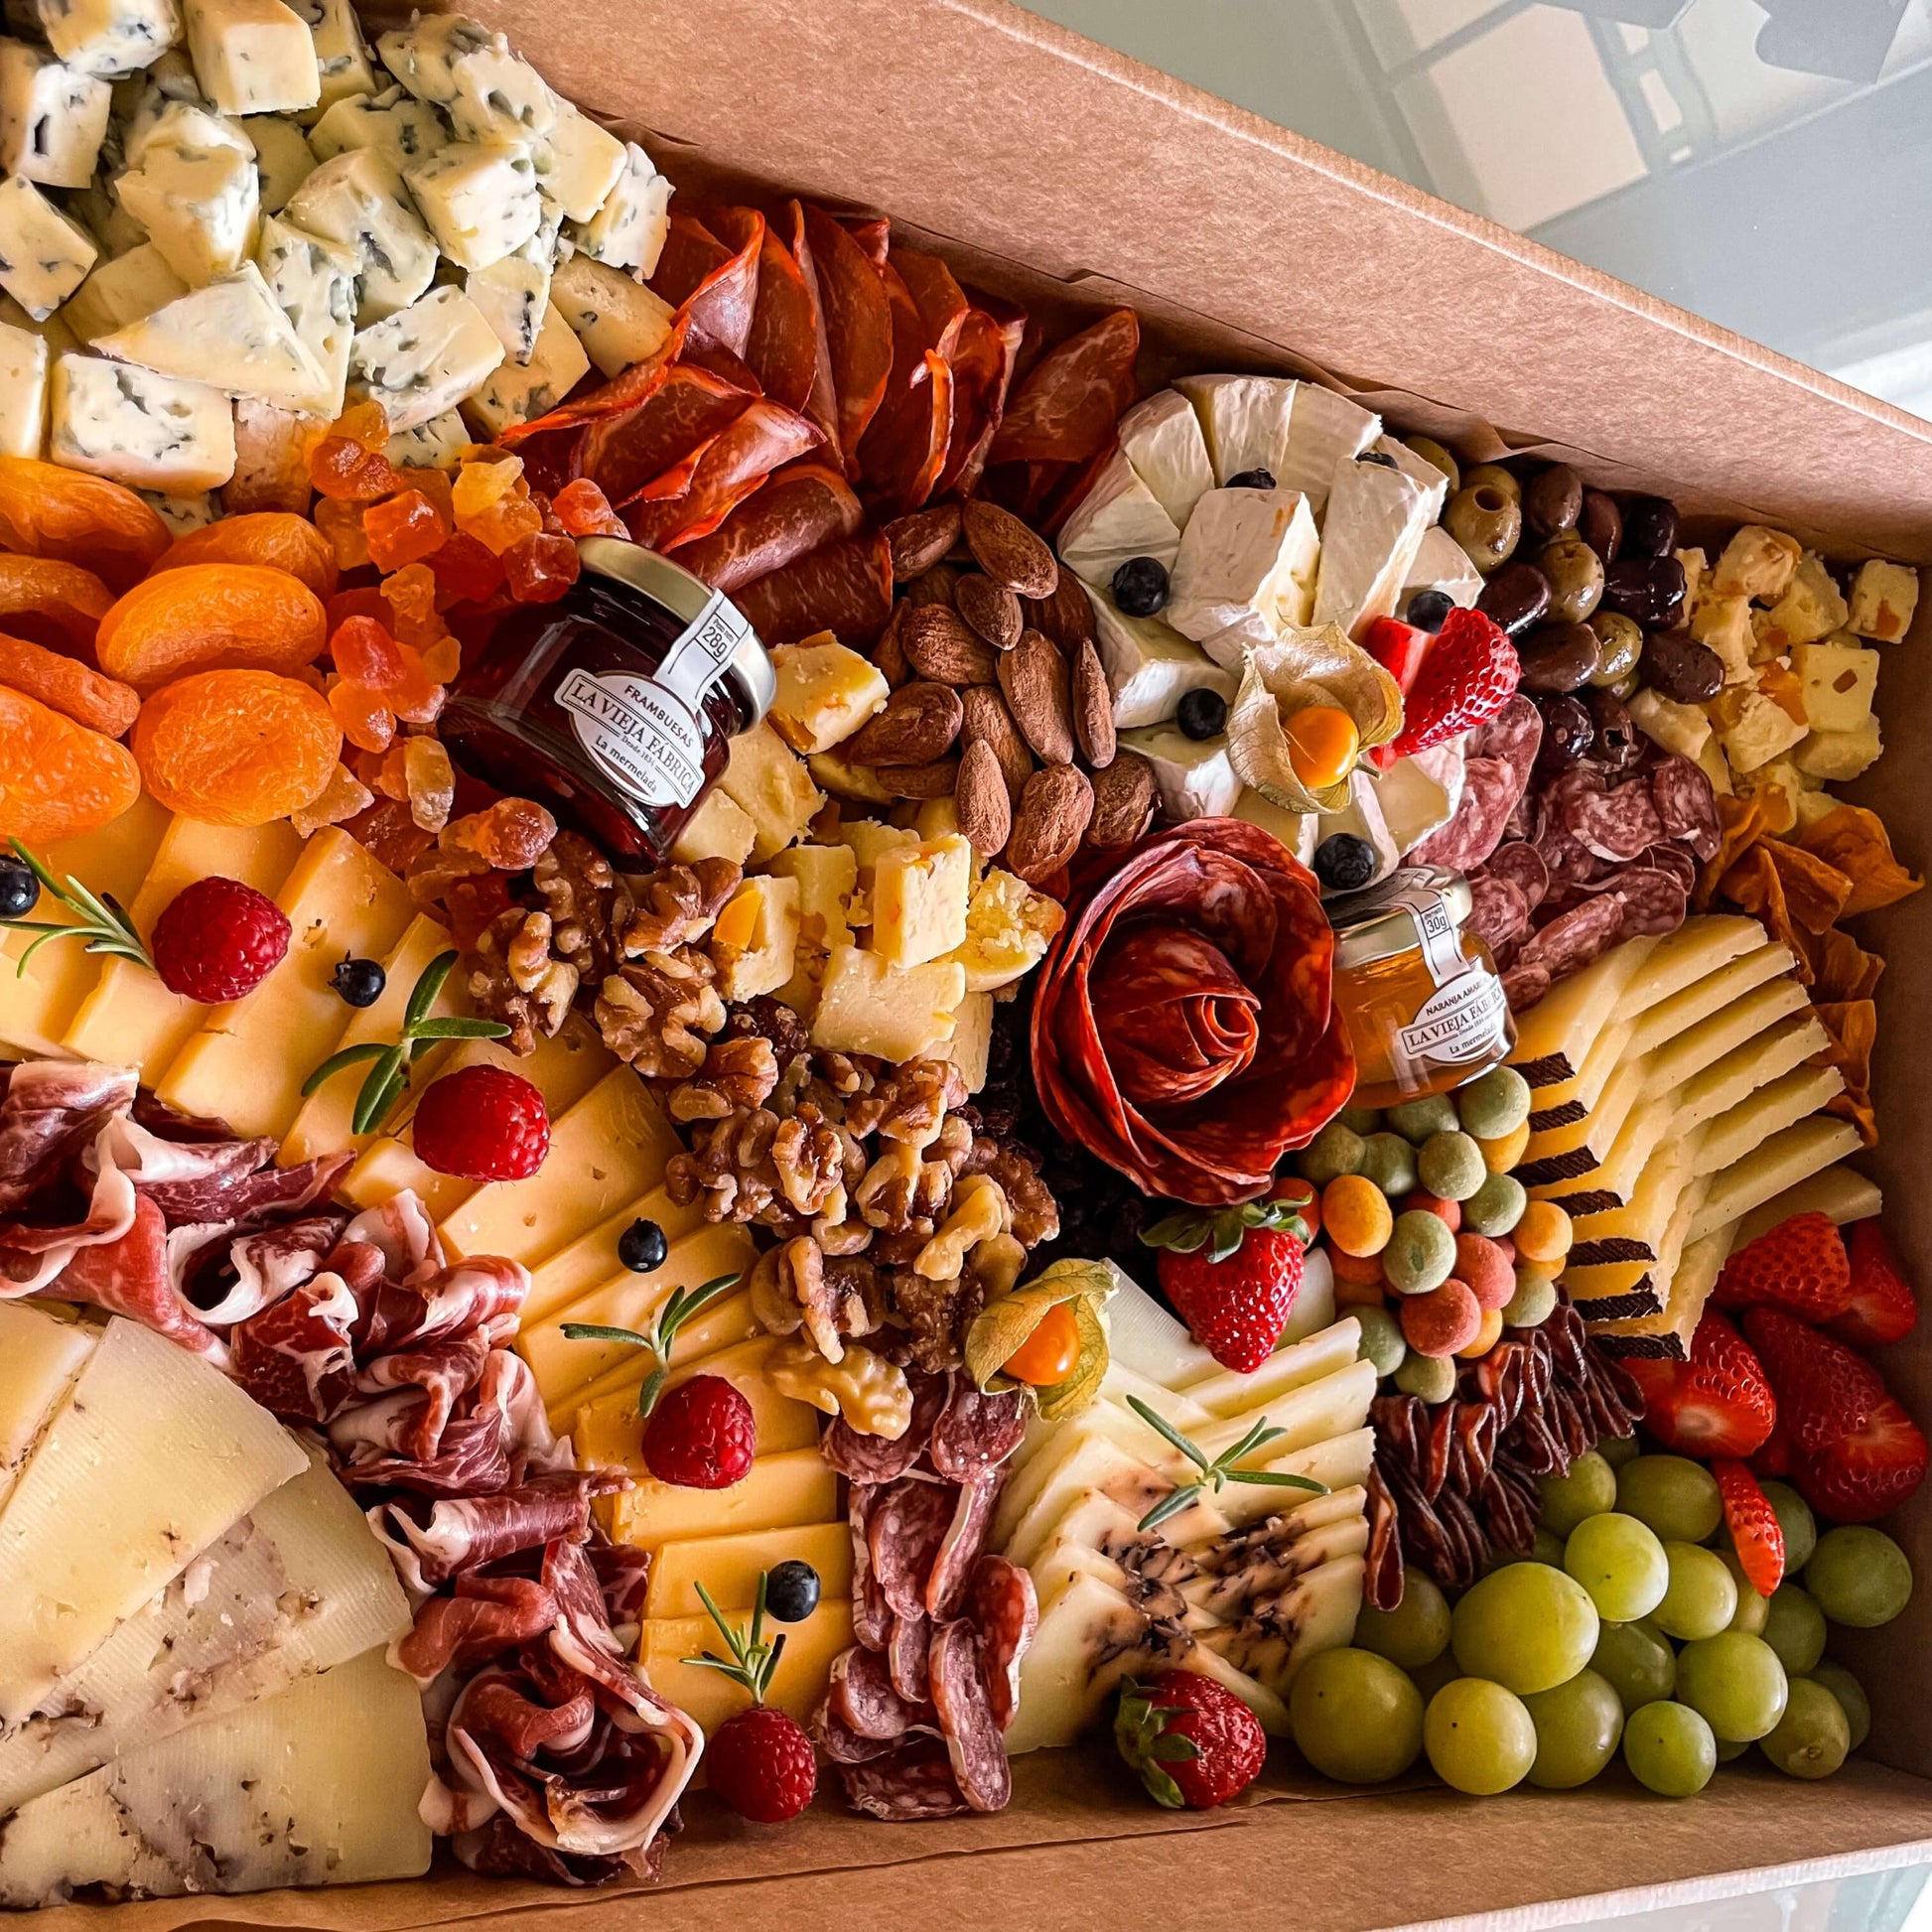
(1220, 1470)
(389, 1065)
(752, 1660)
(659, 1337)
(101, 923)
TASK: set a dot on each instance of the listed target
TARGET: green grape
(1429, 1677)
(1620, 1562)
(1355, 1716)
(1670, 1750)
(1795, 1519)
(1701, 1599)
(1859, 1576)
(1814, 1734)
(1751, 1608)
(1675, 1498)
(1578, 1725)
(1617, 1450)
(1734, 1683)
(1547, 1548)
(1636, 1663)
(1795, 1629)
(1528, 1627)
(1415, 1631)
(1587, 1490)
(1850, 1697)
(1729, 1753)
(1479, 1736)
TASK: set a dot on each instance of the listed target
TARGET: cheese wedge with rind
(1841, 1193)
(41, 1354)
(1780, 1162)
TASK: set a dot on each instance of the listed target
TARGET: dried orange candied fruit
(58, 780)
(403, 530)
(341, 525)
(47, 511)
(271, 539)
(237, 748)
(341, 798)
(364, 716)
(102, 704)
(74, 600)
(211, 617)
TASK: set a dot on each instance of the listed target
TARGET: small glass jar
(617, 705)
(1419, 993)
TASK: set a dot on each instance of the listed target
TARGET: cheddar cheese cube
(866, 1004)
(971, 1044)
(1838, 755)
(858, 783)
(721, 828)
(827, 876)
(773, 787)
(1811, 607)
(871, 841)
(755, 941)
(1838, 682)
(1884, 598)
(920, 897)
(825, 693)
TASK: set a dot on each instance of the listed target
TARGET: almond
(987, 721)
(1054, 811)
(1008, 552)
(935, 586)
(1093, 707)
(888, 655)
(939, 779)
(920, 722)
(918, 541)
(980, 798)
(1033, 676)
(1067, 616)
(939, 645)
(1123, 801)
(991, 608)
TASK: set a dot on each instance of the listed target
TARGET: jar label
(1437, 932)
(1465, 1021)
(692, 665)
(644, 738)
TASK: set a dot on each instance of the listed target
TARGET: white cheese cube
(721, 828)
(357, 198)
(122, 291)
(1811, 607)
(1838, 681)
(1759, 728)
(52, 117)
(284, 159)
(1161, 438)
(469, 71)
(1247, 564)
(920, 895)
(110, 36)
(513, 295)
(438, 444)
(1756, 563)
(971, 1046)
(825, 692)
(617, 320)
(1723, 625)
(1119, 517)
(1681, 727)
(755, 941)
(1777, 787)
(1418, 795)
(514, 395)
(1325, 431)
(149, 432)
(1442, 564)
(253, 57)
(23, 391)
(43, 257)
(313, 281)
(629, 229)
(1697, 570)
(1195, 777)
(1838, 755)
(1884, 598)
(424, 359)
(1711, 762)
(827, 877)
(480, 203)
(1418, 469)
(1244, 420)
(401, 130)
(170, 121)
(200, 205)
(343, 61)
(578, 163)
(1370, 538)
(1150, 666)
(1814, 803)
(866, 1004)
(771, 782)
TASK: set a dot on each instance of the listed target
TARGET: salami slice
(841, 1743)
(1686, 806)
(977, 1431)
(862, 1696)
(905, 1533)
(914, 1782)
(1498, 909)
(1568, 943)
(1514, 735)
(1524, 866)
(1614, 825)
(1005, 1609)
(873, 1459)
(953, 1568)
(872, 1615)
(1654, 900)
(1676, 860)
(906, 1657)
(1490, 794)
(972, 1735)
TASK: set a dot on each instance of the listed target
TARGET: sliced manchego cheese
(728, 1567)
(721, 1325)
(777, 1492)
(41, 1353)
(712, 1698)
(1841, 1193)
(1703, 998)
(610, 1432)
(1780, 1162)
(247, 1064)
(591, 1259)
(1735, 1135)
(1667, 1333)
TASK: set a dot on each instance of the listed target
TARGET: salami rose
(1183, 1028)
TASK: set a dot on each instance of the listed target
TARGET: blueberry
(359, 981)
(642, 1247)
(791, 1591)
(1343, 863)
(1379, 457)
(1141, 586)
(20, 890)
(1429, 609)
(1202, 713)
(1251, 479)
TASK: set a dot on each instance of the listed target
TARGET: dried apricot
(59, 780)
(74, 600)
(271, 539)
(211, 617)
(102, 704)
(47, 511)
(237, 748)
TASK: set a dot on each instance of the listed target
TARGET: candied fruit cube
(366, 423)
(343, 797)
(465, 572)
(403, 530)
(389, 834)
(418, 698)
(443, 659)
(364, 716)
(411, 596)
(584, 511)
(392, 779)
(365, 653)
(482, 484)
(540, 569)
(432, 782)
(341, 524)
(511, 834)
(351, 473)
(472, 904)
(365, 601)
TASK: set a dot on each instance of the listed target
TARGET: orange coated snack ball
(47, 511)
(1501, 1155)
(1356, 1214)
(58, 780)
(1544, 1234)
(1442, 1321)
(1487, 1335)
(209, 617)
(1360, 1294)
(1362, 1269)
(1449, 1213)
(237, 748)
(272, 539)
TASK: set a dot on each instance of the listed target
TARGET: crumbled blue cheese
(253, 57)
(629, 229)
(438, 444)
(342, 54)
(469, 71)
(200, 205)
(149, 432)
(110, 36)
(122, 291)
(520, 395)
(401, 130)
(578, 163)
(424, 359)
(359, 199)
(284, 159)
(479, 202)
(314, 281)
(52, 117)
(43, 257)
(181, 515)
(513, 295)
(23, 391)
(617, 320)
(164, 119)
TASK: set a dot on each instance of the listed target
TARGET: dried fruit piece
(404, 530)
(341, 524)
(348, 464)
(418, 699)
(364, 716)
(58, 780)
(211, 617)
(466, 571)
(271, 539)
(71, 599)
(443, 659)
(103, 704)
(430, 780)
(540, 569)
(584, 511)
(47, 511)
(411, 596)
(341, 798)
(237, 747)
(365, 653)
(511, 835)
(492, 503)
(391, 836)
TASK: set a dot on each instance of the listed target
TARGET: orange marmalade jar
(1419, 997)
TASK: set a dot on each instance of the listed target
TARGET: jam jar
(1418, 993)
(617, 705)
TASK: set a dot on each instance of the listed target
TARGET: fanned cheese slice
(591, 1259)
(728, 1567)
(1317, 1612)
(1841, 1193)
(1780, 1162)
(797, 1685)
(1667, 1333)
(41, 1353)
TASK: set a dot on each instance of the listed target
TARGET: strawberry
(1232, 1276)
(1192, 1739)
(1716, 1404)
(1755, 1532)
(1879, 1305)
(1855, 1455)
(1399, 648)
(1470, 675)
(1798, 1266)
(1774, 1459)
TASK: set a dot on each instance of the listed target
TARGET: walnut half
(871, 1393)
(796, 1286)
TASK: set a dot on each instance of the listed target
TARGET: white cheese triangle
(1326, 430)
(1150, 666)
(1162, 439)
(1245, 420)
(1196, 776)
(1298, 831)
(1418, 470)
(1246, 555)
(1442, 564)
(1362, 818)
(1119, 517)
(1418, 795)
(1374, 528)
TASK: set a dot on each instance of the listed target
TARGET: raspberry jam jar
(617, 705)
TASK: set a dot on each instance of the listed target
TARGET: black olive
(1251, 479)
(20, 890)
(791, 1590)
(360, 982)
(1429, 609)
(642, 1247)
(1141, 586)
(1343, 863)
(1202, 713)
(1568, 732)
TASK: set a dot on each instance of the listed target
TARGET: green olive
(1494, 474)
(1576, 573)
(1487, 524)
(1625, 688)
(1619, 643)
(1432, 451)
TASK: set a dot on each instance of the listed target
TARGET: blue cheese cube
(51, 329)
(629, 229)
(403, 131)
(357, 198)
(578, 165)
(515, 295)
(1374, 532)
(148, 431)
(122, 291)
(52, 117)
(438, 444)
(343, 62)
(200, 205)
(181, 515)
(1161, 438)
(43, 257)
(480, 202)
(165, 119)
(1246, 570)
(514, 394)
(469, 71)
(284, 159)
(24, 363)
(253, 57)
(1150, 666)
(617, 320)
(1244, 420)
(1194, 777)
(110, 36)
(313, 281)
(424, 359)
(1119, 517)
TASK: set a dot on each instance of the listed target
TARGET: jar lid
(749, 669)
(1381, 921)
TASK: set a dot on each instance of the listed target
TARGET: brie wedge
(1161, 438)
(1196, 776)
(1246, 570)
(1150, 666)
(1328, 430)
(1374, 528)
(1418, 795)
(1245, 421)
(1442, 564)
(1119, 517)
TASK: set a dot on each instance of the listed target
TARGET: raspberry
(1229, 1746)
(702, 1434)
(482, 1122)
(219, 941)
(762, 1764)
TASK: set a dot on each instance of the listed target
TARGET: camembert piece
(1369, 540)
(1150, 666)
(1244, 421)
(1119, 517)
(1196, 776)
(1246, 570)
(1161, 438)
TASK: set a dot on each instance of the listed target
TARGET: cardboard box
(1073, 177)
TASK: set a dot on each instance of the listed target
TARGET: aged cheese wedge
(711, 1698)
(1735, 1135)
(728, 1567)
(1317, 1612)
(1667, 1333)
(1839, 1192)
(1668, 1018)
(1226, 1392)
(723, 1324)
(1780, 1162)
(609, 1432)
(41, 1353)
(591, 1259)
(1144, 1336)
(779, 1491)
(1615, 1291)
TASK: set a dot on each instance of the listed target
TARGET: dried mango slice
(72, 600)
(102, 704)
(211, 617)
(272, 539)
(237, 747)
(58, 780)
(1856, 842)
(47, 511)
